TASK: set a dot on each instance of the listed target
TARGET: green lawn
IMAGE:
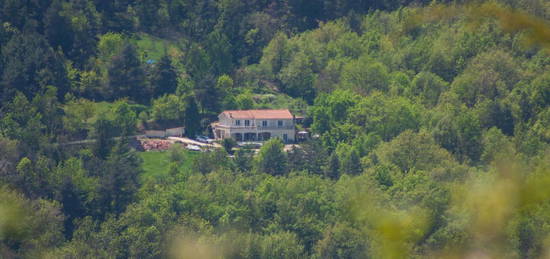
(156, 163)
(151, 47)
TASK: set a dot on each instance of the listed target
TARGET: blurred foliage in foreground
(536, 30)
(499, 213)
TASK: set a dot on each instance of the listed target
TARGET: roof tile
(259, 114)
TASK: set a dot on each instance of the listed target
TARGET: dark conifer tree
(126, 76)
(104, 132)
(163, 78)
(332, 170)
(192, 117)
(29, 65)
(351, 164)
(57, 28)
(120, 181)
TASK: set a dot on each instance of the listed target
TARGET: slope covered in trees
(433, 124)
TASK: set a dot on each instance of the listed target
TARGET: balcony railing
(275, 127)
(254, 127)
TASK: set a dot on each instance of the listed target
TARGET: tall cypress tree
(332, 170)
(192, 117)
(104, 132)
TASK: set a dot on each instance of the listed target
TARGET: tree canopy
(429, 129)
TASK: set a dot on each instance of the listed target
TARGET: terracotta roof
(259, 114)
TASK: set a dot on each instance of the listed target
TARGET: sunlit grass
(157, 163)
(151, 47)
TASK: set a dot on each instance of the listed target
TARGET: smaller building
(255, 125)
(175, 132)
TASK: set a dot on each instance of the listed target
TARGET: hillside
(431, 124)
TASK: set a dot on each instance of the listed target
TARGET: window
(246, 123)
(280, 124)
(264, 123)
(238, 122)
(285, 137)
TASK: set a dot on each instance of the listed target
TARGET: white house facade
(255, 125)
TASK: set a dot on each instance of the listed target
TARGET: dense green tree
(57, 28)
(192, 117)
(364, 144)
(297, 78)
(428, 87)
(29, 65)
(85, 25)
(147, 14)
(332, 109)
(204, 162)
(76, 115)
(163, 78)
(218, 48)
(126, 76)
(495, 144)
(272, 158)
(364, 76)
(75, 189)
(243, 159)
(49, 106)
(332, 170)
(387, 117)
(284, 244)
(296, 159)
(109, 45)
(276, 54)
(459, 131)
(8, 157)
(228, 145)
(310, 156)
(119, 183)
(168, 110)
(209, 95)
(197, 62)
(350, 162)
(244, 101)
(342, 241)
(412, 151)
(490, 75)
(125, 119)
(104, 132)
(22, 122)
(493, 113)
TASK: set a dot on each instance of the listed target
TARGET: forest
(432, 121)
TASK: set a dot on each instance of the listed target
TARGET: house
(255, 125)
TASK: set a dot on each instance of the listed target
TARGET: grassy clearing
(152, 47)
(156, 163)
